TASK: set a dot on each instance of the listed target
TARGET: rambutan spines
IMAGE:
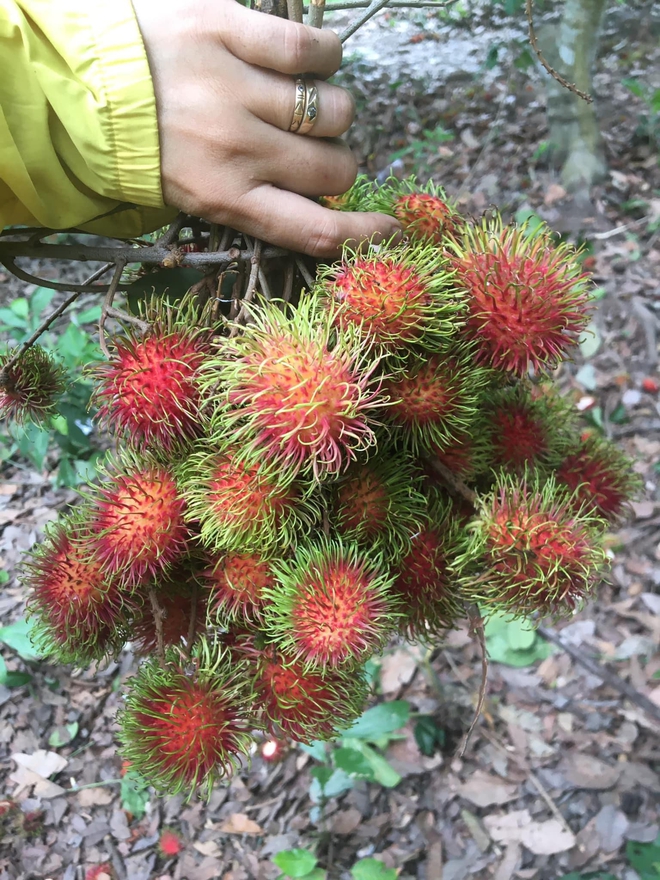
(137, 521)
(398, 298)
(527, 297)
(424, 212)
(307, 705)
(434, 400)
(80, 614)
(331, 605)
(30, 387)
(183, 728)
(600, 476)
(241, 506)
(148, 392)
(379, 503)
(530, 551)
(237, 582)
(298, 394)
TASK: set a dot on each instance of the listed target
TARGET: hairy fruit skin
(237, 583)
(331, 606)
(170, 843)
(31, 386)
(527, 298)
(530, 551)
(181, 731)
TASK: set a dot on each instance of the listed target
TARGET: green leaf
(383, 772)
(20, 307)
(40, 299)
(428, 736)
(4, 576)
(521, 635)
(590, 342)
(32, 442)
(295, 862)
(322, 774)
(645, 858)
(380, 720)
(9, 319)
(17, 637)
(337, 784)
(89, 316)
(372, 869)
(134, 793)
(504, 633)
(353, 762)
(63, 735)
(635, 87)
(316, 749)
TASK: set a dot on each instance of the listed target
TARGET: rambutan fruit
(185, 727)
(170, 843)
(434, 399)
(424, 212)
(137, 520)
(237, 582)
(148, 392)
(79, 612)
(298, 393)
(308, 705)
(396, 297)
(242, 506)
(600, 476)
(379, 503)
(527, 297)
(530, 551)
(100, 872)
(357, 198)
(331, 605)
(468, 454)
(30, 387)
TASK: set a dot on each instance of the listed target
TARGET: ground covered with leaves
(561, 776)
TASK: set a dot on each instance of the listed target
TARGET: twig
(395, 4)
(302, 268)
(22, 275)
(316, 12)
(554, 809)
(193, 621)
(374, 7)
(255, 260)
(602, 672)
(116, 858)
(45, 324)
(553, 73)
(76, 788)
(158, 621)
(107, 304)
(120, 315)
(172, 232)
(455, 485)
(294, 9)
(477, 626)
(288, 281)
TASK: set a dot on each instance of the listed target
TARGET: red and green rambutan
(307, 705)
(241, 506)
(424, 212)
(378, 503)
(137, 520)
(530, 551)
(600, 476)
(527, 297)
(468, 455)
(357, 198)
(298, 393)
(186, 725)
(331, 605)
(237, 582)
(397, 297)
(79, 613)
(170, 843)
(148, 392)
(434, 399)
(30, 387)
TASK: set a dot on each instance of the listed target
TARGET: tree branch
(553, 73)
(374, 7)
(452, 482)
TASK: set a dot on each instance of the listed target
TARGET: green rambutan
(242, 506)
(424, 212)
(331, 605)
(528, 298)
(137, 521)
(395, 296)
(79, 612)
(308, 705)
(435, 399)
(298, 393)
(30, 388)
(379, 503)
(530, 551)
(182, 726)
(600, 476)
(148, 391)
(237, 582)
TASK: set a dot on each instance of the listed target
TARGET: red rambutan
(30, 387)
(397, 298)
(79, 611)
(137, 520)
(308, 705)
(600, 476)
(426, 216)
(527, 297)
(298, 393)
(331, 605)
(237, 583)
(170, 843)
(180, 728)
(530, 551)
(468, 455)
(240, 506)
(100, 872)
(521, 428)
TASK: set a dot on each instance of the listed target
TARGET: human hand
(224, 79)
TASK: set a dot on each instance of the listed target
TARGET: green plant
(649, 120)
(301, 863)
(514, 642)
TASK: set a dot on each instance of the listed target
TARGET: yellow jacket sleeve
(78, 128)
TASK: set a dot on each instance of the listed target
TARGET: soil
(562, 771)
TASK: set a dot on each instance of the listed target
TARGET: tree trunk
(575, 141)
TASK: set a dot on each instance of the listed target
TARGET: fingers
(275, 43)
(292, 221)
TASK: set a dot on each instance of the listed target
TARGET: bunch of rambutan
(357, 465)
